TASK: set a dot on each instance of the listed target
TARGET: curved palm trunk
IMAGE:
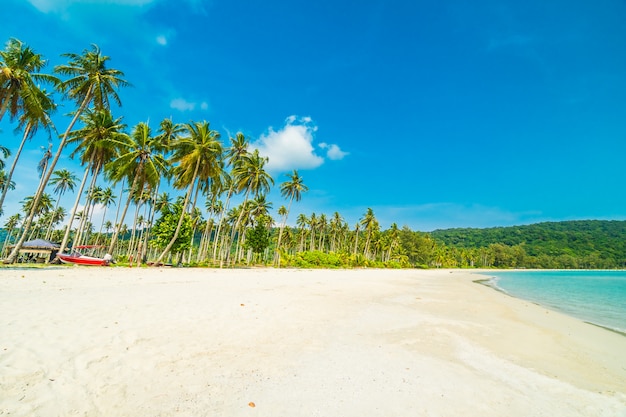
(221, 221)
(68, 228)
(101, 226)
(119, 225)
(29, 220)
(236, 229)
(182, 215)
(280, 232)
(89, 206)
(144, 253)
(4, 108)
(13, 165)
(132, 245)
(117, 212)
(49, 230)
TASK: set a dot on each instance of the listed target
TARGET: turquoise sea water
(598, 297)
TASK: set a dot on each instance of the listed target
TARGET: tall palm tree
(335, 227)
(105, 199)
(292, 189)
(198, 155)
(89, 81)
(140, 163)
(93, 196)
(19, 78)
(9, 226)
(63, 180)
(234, 155)
(168, 133)
(96, 148)
(36, 115)
(370, 224)
(6, 152)
(39, 207)
(302, 222)
(5, 183)
(250, 175)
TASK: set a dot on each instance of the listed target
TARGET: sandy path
(198, 342)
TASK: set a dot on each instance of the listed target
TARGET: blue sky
(434, 114)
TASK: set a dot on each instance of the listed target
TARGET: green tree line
(198, 224)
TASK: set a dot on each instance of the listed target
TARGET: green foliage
(572, 244)
(258, 238)
(165, 226)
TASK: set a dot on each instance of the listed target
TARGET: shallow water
(598, 297)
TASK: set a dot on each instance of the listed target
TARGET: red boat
(78, 258)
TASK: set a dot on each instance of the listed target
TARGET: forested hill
(582, 239)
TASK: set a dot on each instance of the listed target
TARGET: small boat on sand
(76, 257)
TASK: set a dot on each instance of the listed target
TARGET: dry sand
(262, 342)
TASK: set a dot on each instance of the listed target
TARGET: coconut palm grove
(171, 188)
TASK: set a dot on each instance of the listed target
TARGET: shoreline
(109, 341)
(489, 282)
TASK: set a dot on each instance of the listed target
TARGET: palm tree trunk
(119, 225)
(101, 226)
(280, 233)
(49, 230)
(182, 215)
(117, 213)
(13, 165)
(29, 220)
(87, 218)
(73, 214)
(144, 253)
(221, 221)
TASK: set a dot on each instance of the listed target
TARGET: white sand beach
(93, 341)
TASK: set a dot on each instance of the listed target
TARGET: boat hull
(81, 260)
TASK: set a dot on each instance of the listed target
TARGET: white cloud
(182, 105)
(290, 147)
(161, 40)
(47, 6)
(333, 151)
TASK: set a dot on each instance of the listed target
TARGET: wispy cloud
(333, 151)
(56, 6)
(184, 105)
(290, 147)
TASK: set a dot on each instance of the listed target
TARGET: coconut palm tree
(168, 134)
(19, 78)
(36, 115)
(140, 163)
(369, 224)
(10, 226)
(250, 175)
(5, 183)
(95, 147)
(302, 221)
(53, 218)
(335, 227)
(291, 189)
(198, 156)
(234, 156)
(63, 180)
(38, 207)
(105, 199)
(90, 81)
(6, 152)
